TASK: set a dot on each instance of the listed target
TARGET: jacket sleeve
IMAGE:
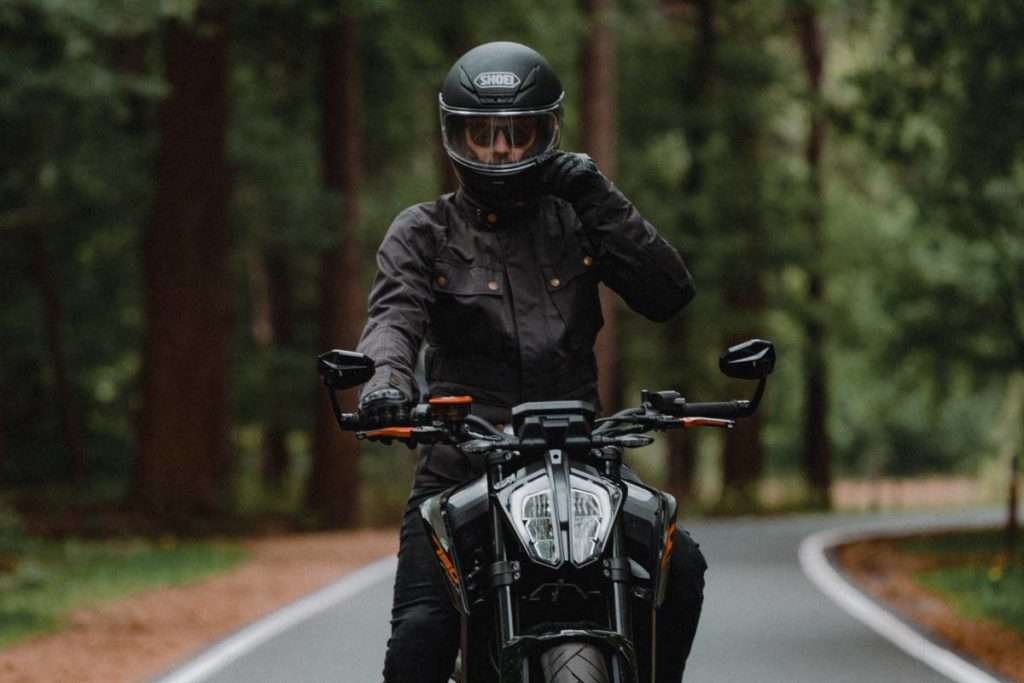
(635, 261)
(399, 305)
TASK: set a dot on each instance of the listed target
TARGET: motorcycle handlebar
(728, 410)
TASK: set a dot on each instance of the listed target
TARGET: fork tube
(620, 605)
(503, 594)
(620, 589)
(506, 615)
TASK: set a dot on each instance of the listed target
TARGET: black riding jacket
(507, 300)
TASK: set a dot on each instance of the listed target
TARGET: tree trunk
(334, 479)
(743, 455)
(4, 450)
(272, 329)
(455, 41)
(697, 87)
(64, 399)
(282, 328)
(185, 453)
(597, 128)
(816, 447)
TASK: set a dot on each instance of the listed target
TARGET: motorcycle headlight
(594, 505)
(539, 520)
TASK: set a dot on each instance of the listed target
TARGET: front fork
(618, 572)
(504, 573)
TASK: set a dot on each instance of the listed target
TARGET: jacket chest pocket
(572, 286)
(469, 308)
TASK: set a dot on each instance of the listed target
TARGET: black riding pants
(425, 627)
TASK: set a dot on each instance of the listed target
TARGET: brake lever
(410, 435)
(721, 423)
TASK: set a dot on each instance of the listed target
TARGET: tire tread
(574, 663)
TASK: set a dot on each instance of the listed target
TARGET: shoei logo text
(496, 79)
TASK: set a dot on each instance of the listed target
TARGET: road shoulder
(884, 598)
(136, 638)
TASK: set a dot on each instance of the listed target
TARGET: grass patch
(975, 574)
(42, 581)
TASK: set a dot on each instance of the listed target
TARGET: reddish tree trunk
(183, 437)
(743, 455)
(816, 446)
(682, 463)
(334, 479)
(597, 127)
(455, 41)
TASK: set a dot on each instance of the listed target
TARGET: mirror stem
(756, 398)
(333, 393)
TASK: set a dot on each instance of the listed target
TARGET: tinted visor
(502, 143)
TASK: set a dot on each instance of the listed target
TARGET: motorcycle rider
(500, 280)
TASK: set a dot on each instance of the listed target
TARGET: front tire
(574, 663)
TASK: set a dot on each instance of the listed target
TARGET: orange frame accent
(449, 568)
(667, 552)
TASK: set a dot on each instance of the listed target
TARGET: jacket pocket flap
(461, 281)
(558, 277)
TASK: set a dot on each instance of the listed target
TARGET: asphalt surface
(763, 620)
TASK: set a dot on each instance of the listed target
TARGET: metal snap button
(441, 280)
(588, 261)
(555, 282)
(492, 285)
(492, 218)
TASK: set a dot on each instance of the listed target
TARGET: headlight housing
(554, 531)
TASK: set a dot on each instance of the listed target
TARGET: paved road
(763, 621)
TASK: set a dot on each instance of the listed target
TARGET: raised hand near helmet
(574, 177)
(384, 408)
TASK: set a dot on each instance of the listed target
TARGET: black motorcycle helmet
(501, 116)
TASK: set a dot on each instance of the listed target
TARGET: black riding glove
(384, 408)
(575, 178)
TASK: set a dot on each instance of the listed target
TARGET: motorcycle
(548, 552)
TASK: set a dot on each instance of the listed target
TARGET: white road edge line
(817, 568)
(259, 632)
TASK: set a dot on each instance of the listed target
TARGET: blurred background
(192, 192)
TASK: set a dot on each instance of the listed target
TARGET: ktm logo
(496, 79)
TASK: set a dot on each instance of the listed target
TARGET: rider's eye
(479, 131)
(523, 131)
(518, 132)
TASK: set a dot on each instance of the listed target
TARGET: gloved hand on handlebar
(384, 408)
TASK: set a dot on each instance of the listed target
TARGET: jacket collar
(483, 216)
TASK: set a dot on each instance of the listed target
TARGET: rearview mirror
(753, 359)
(345, 369)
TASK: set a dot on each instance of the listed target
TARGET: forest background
(192, 191)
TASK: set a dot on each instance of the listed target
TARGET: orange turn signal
(451, 400)
(451, 408)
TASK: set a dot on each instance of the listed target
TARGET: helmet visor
(501, 143)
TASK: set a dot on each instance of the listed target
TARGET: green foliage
(75, 185)
(948, 112)
(923, 249)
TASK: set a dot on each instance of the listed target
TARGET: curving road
(763, 620)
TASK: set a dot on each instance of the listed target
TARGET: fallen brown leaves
(885, 572)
